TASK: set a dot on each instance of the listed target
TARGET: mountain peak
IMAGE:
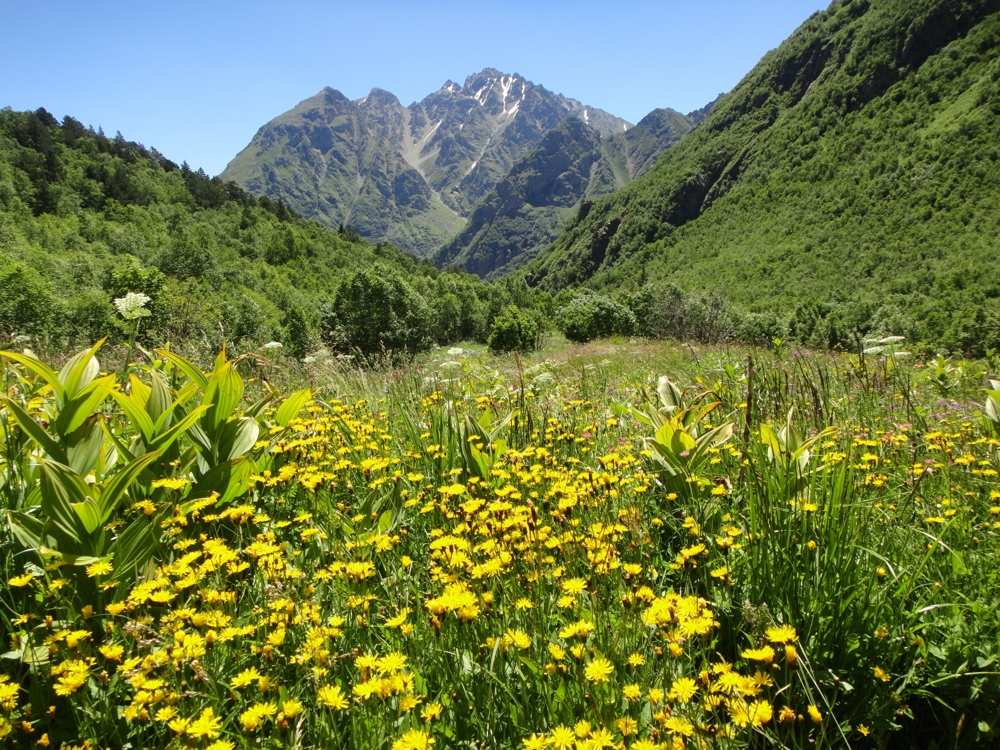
(411, 174)
(380, 97)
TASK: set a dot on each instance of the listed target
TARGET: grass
(559, 550)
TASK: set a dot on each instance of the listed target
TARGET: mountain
(527, 208)
(851, 179)
(408, 175)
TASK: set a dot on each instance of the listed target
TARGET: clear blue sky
(196, 79)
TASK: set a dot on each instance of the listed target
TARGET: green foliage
(513, 330)
(86, 219)
(683, 440)
(665, 311)
(590, 316)
(376, 313)
(849, 184)
(27, 304)
(811, 534)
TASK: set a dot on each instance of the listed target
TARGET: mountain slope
(409, 175)
(525, 210)
(856, 166)
(85, 219)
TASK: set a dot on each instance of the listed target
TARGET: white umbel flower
(133, 306)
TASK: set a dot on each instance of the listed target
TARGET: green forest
(85, 219)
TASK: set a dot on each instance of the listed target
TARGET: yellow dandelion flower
(782, 634)
(333, 697)
(563, 738)
(599, 670)
(764, 654)
(683, 690)
(415, 739)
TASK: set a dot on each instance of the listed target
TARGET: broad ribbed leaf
(89, 513)
(83, 447)
(136, 412)
(162, 442)
(160, 403)
(229, 480)
(28, 530)
(80, 371)
(237, 437)
(291, 407)
(139, 391)
(188, 368)
(224, 391)
(119, 483)
(77, 409)
(35, 431)
(41, 369)
(134, 547)
(62, 488)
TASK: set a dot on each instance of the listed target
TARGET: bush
(375, 312)
(590, 316)
(26, 304)
(90, 316)
(513, 329)
(665, 311)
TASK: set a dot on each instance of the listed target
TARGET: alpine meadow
(497, 422)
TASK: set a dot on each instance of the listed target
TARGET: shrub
(666, 311)
(590, 316)
(513, 329)
(375, 312)
(90, 316)
(26, 304)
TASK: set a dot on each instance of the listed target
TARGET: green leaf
(62, 489)
(117, 441)
(139, 391)
(40, 369)
(958, 564)
(120, 482)
(237, 438)
(89, 513)
(291, 407)
(188, 368)
(385, 522)
(83, 447)
(159, 405)
(28, 530)
(162, 442)
(229, 479)
(224, 391)
(134, 546)
(34, 430)
(80, 371)
(136, 413)
(82, 406)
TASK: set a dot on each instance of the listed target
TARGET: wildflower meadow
(624, 545)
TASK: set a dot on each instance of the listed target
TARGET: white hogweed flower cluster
(133, 305)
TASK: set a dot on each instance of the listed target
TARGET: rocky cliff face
(408, 175)
(574, 162)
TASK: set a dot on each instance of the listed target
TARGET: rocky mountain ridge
(525, 211)
(409, 175)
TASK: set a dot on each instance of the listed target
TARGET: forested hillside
(85, 219)
(850, 182)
